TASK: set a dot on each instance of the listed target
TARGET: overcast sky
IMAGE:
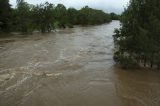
(116, 6)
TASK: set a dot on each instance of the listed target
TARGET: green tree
(72, 16)
(89, 16)
(61, 15)
(114, 16)
(27, 18)
(22, 17)
(43, 17)
(5, 12)
(138, 37)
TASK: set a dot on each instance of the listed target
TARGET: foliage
(72, 16)
(89, 16)
(114, 16)
(125, 61)
(22, 17)
(139, 34)
(5, 12)
(45, 17)
(61, 15)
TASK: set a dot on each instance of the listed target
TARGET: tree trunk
(145, 61)
(151, 65)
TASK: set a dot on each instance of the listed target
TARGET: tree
(89, 16)
(61, 15)
(26, 18)
(5, 12)
(22, 17)
(72, 16)
(114, 16)
(44, 17)
(138, 37)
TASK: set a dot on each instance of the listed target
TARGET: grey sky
(116, 6)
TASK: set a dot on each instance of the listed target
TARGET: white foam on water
(19, 82)
(6, 77)
(53, 74)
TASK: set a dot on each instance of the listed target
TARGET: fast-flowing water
(71, 67)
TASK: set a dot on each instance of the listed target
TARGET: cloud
(105, 5)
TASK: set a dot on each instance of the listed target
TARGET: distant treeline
(137, 42)
(45, 17)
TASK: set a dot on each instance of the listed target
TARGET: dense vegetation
(114, 16)
(45, 17)
(137, 42)
(5, 11)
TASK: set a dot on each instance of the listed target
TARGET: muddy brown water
(71, 67)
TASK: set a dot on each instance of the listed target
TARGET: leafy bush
(125, 61)
(128, 63)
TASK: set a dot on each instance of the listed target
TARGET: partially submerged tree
(26, 18)
(43, 17)
(23, 17)
(138, 38)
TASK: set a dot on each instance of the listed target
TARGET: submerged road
(71, 67)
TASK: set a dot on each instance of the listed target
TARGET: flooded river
(71, 67)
